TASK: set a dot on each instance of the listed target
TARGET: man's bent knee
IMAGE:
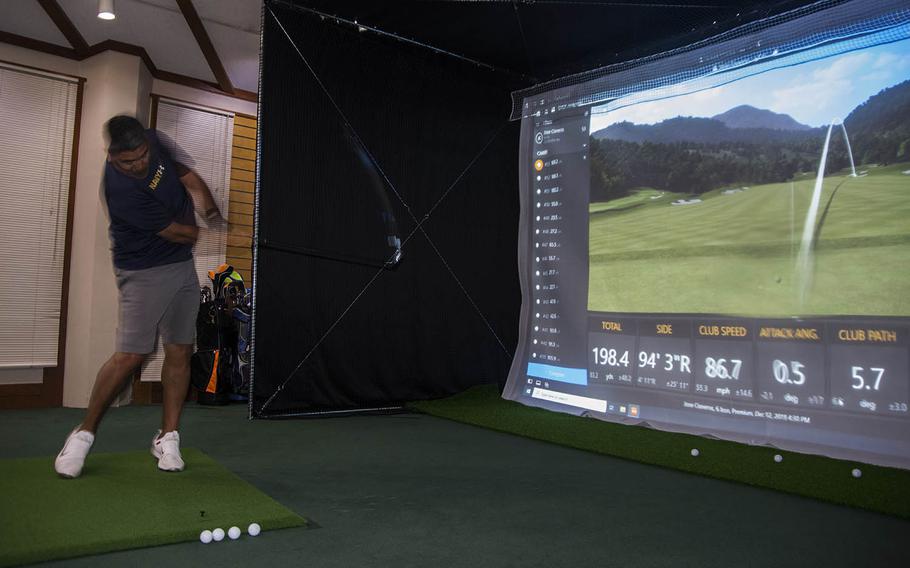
(178, 350)
(177, 354)
(127, 361)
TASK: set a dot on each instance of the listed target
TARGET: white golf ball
(205, 536)
(254, 529)
(778, 458)
(234, 533)
(857, 472)
(694, 452)
(218, 535)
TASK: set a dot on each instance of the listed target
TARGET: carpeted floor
(880, 489)
(416, 490)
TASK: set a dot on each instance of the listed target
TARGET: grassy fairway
(736, 253)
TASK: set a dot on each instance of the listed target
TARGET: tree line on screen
(743, 146)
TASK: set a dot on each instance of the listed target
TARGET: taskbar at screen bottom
(873, 439)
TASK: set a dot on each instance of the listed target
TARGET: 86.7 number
(719, 368)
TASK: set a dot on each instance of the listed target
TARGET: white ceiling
(27, 18)
(160, 28)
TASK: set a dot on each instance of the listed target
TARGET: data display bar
(820, 364)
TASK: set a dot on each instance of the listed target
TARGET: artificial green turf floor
(120, 502)
(881, 489)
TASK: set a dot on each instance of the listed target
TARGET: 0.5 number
(791, 374)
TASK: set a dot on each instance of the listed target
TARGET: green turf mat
(881, 489)
(122, 501)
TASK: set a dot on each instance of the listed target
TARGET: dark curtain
(328, 218)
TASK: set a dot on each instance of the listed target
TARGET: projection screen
(716, 240)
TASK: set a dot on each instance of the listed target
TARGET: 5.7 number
(860, 381)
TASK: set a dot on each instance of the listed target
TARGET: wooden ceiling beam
(65, 25)
(111, 45)
(38, 45)
(205, 44)
(114, 45)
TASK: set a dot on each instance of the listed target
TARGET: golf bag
(216, 368)
(243, 317)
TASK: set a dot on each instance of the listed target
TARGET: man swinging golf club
(150, 199)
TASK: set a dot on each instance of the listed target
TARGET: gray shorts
(162, 299)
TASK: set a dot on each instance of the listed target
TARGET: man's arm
(199, 192)
(177, 233)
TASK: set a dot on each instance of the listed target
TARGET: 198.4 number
(611, 357)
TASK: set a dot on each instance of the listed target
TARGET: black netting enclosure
(387, 215)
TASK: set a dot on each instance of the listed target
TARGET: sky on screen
(813, 93)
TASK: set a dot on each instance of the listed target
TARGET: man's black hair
(125, 133)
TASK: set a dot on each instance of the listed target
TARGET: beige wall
(144, 101)
(113, 86)
(204, 98)
(116, 83)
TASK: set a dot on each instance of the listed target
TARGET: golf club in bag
(217, 367)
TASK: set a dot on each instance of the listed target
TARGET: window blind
(201, 140)
(37, 120)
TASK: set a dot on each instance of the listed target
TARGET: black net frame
(335, 332)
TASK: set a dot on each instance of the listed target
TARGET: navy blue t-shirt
(140, 208)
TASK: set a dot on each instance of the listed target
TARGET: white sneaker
(166, 448)
(71, 458)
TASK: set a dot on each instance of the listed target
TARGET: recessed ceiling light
(106, 9)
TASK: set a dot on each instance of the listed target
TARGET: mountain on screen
(739, 124)
(746, 116)
(696, 155)
(880, 127)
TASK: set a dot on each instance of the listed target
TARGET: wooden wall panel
(239, 252)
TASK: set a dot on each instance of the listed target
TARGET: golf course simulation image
(785, 193)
